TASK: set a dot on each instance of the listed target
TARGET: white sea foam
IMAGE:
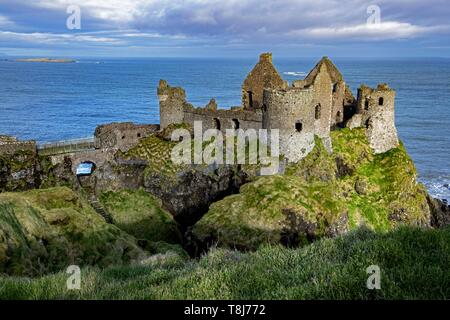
(438, 187)
(295, 73)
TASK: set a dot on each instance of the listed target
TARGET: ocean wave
(438, 187)
(295, 73)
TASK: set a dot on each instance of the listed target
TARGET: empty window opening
(380, 101)
(217, 123)
(334, 87)
(138, 135)
(236, 123)
(123, 137)
(366, 104)
(85, 168)
(250, 98)
(298, 126)
(338, 115)
(317, 111)
(367, 123)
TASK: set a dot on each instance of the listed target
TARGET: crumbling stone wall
(18, 164)
(10, 148)
(342, 98)
(375, 111)
(263, 76)
(175, 109)
(172, 101)
(122, 136)
(290, 112)
(224, 119)
(322, 106)
(338, 102)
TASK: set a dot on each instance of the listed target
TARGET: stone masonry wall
(122, 136)
(172, 101)
(224, 119)
(376, 110)
(290, 111)
(322, 100)
(16, 146)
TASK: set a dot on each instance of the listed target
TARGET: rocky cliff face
(24, 170)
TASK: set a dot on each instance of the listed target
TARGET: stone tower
(289, 110)
(375, 107)
(171, 104)
(263, 76)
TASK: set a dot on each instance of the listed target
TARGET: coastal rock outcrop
(440, 212)
(314, 198)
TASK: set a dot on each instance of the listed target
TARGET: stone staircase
(87, 190)
(95, 203)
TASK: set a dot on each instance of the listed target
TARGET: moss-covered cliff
(140, 214)
(44, 231)
(322, 195)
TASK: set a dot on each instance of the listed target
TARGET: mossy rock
(18, 171)
(140, 214)
(315, 199)
(47, 230)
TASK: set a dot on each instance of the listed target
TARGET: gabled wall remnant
(263, 76)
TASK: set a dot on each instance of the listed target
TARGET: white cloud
(55, 38)
(249, 21)
(5, 22)
(383, 30)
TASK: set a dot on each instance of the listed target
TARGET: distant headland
(47, 60)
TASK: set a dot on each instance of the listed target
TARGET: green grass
(414, 265)
(140, 214)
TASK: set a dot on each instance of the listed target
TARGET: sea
(58, 101)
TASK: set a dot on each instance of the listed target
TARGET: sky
(233, 28)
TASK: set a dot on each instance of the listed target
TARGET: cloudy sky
(216, 28)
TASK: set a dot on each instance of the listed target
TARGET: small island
(47, 60)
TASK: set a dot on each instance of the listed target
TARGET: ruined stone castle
(302, 110)
(306, 108)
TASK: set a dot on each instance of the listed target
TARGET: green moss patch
(140, 214)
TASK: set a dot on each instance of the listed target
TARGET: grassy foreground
(414, 264)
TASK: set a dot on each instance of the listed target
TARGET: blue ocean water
(51, 101)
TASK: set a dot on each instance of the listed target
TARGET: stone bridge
(66, 146)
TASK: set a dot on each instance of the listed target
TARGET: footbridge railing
(66, 146)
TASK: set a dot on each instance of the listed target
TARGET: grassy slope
(47, 230)
(414, 265)
(140, 214)
(316, 195)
